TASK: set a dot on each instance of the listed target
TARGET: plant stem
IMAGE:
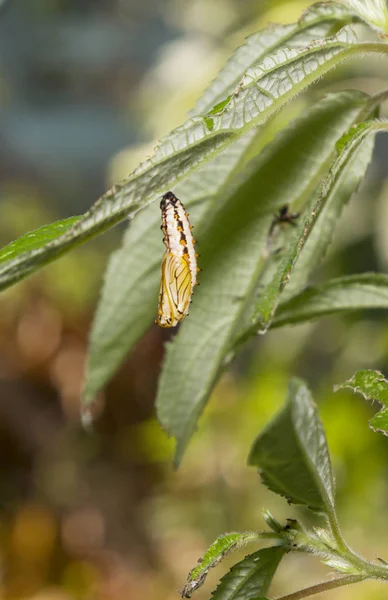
(322, 587)
(370, 570)
(336, 531)
(361, 564)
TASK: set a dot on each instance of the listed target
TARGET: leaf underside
(264, 89)
(234, 252)
(342, 295)
(271, 69)
(318, 21)
(372, 12)
(315, 230)
(127, 305)
(128, 302)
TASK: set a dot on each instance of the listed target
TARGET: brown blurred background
(85, 87)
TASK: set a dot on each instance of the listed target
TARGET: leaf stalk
(322, 587)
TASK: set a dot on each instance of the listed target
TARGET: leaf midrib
(300, 26)
(243, 580)
(329, 505)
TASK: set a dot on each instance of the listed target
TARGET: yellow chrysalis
(179, 265)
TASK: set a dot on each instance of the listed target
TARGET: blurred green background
(86, 88)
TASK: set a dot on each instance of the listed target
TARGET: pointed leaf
(292, 453)
(343, 178)
(373, 386)
(33, 240)
(251, 577)
(262, 92)
(222, 547)
(315, 247)
(345, 294)
(127, 305)
(316, 22)
(233, 252)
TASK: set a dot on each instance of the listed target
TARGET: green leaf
(342, 180)
(373, 386)
(320, 235)
(33, 240)
(222, 547)
(314, 248)
(292, 453)
(128, 301)
(345, 294)
(373, 12)
(262, 92)
(251, 577)
(233, 251)
(316, 22)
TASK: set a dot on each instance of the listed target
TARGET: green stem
(337, 534)
(369, 569)
(366, 569)
(322, 587)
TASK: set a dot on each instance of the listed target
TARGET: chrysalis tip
(87, 419)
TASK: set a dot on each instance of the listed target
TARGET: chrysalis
(179, 265)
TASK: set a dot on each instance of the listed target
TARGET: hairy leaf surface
(318, 21)
(345, 294)
(233, 252)
(373, 386)
(343, 178)
(320, 236)
(262, 92)
(373, 12)
(38, 238)
(251, 577)
(292, 453)
(127, 304)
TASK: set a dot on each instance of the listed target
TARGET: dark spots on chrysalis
(168, 198)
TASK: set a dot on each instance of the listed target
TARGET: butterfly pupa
(179, 264)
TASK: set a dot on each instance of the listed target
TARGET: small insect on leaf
(284, 216)
(179, 265)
